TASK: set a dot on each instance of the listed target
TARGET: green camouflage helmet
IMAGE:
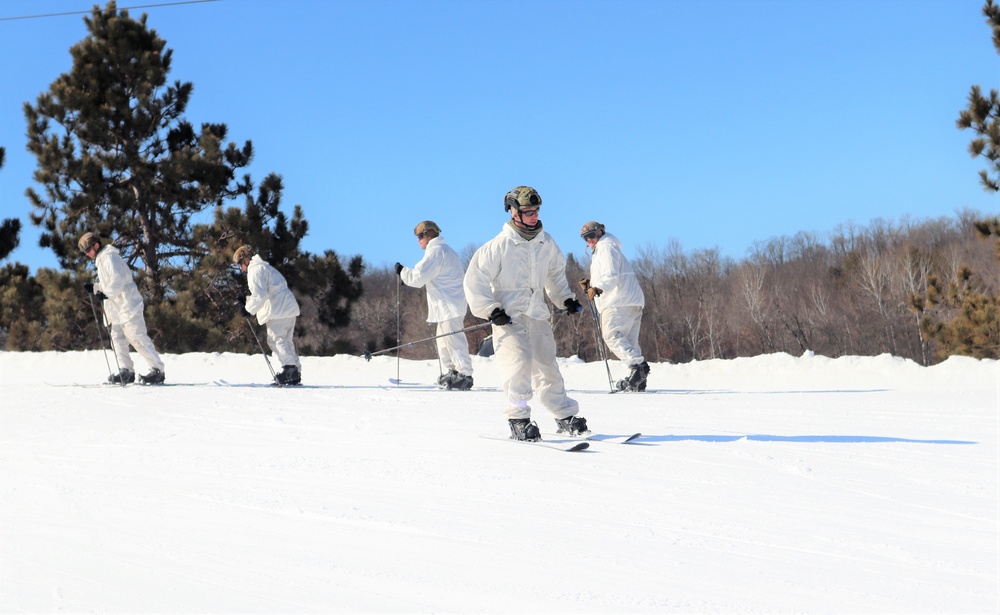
(425, 226)
(520, 197)
(592, 227)
(86, 240)
(242, 253)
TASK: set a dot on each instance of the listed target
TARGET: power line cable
(121, 8)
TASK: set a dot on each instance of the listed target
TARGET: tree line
(116, 155)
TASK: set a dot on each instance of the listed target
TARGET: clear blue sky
(715, 123)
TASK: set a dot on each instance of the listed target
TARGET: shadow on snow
(814, 438)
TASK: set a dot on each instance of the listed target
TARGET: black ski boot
(289, 375)
(444, 379)
(636, 380)
(125, 376)
(460, 382)
(572, 425)
(644, 371)
(155, 376)
(524, 429)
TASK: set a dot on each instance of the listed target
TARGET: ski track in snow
(869, 485)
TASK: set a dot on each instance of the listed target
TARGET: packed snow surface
(773, 484)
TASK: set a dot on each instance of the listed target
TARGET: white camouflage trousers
(280, 338)
(620, 327)
(453, 349)
(526, 358)
(134, 332)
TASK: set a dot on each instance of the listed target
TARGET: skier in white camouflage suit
(619, 300)
(275, 306)
(504, 284)
(123, 307)
(440, 271)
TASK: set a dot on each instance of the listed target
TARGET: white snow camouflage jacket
(611, 272)
(440, 270)
(114, 279)
(511, 272)
(269, 297)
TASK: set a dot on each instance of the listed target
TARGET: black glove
(572, 306)
(399, 268)
(89, 287)
(499, 317)
(244, 312)
(100, 296)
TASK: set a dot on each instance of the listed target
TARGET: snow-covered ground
(774, 484)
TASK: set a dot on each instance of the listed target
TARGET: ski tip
(569, 447)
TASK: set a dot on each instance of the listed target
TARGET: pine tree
(116, 155)
(973, 326)
(10, 228)
(983, 115)
(21, 304)
(974, 329)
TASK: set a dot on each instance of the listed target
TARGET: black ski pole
(399, 326)
(261, 346)
(100, 332)
(600, 341)
(368, 355)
